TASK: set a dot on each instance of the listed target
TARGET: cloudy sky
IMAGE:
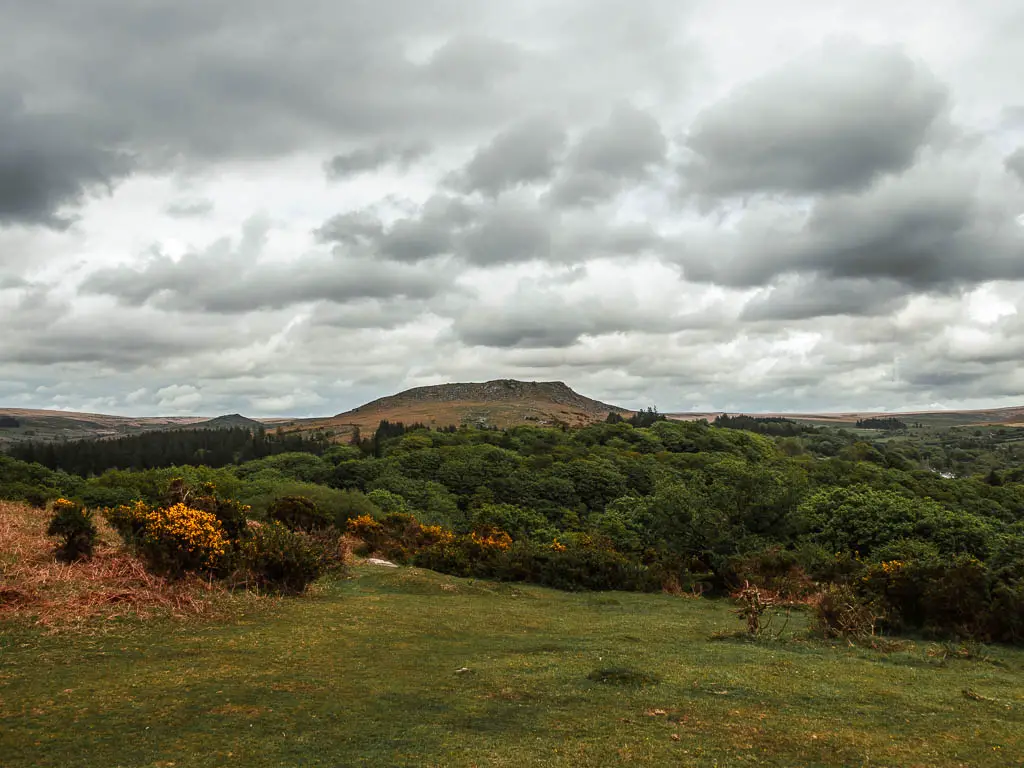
(211, 206)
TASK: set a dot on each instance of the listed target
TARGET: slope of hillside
(23, 424)
(499, 403)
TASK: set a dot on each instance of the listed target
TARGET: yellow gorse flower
(194, 531)
(492, 540)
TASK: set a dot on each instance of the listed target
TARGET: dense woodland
(713, 505)
(166, 448)
(887, 423)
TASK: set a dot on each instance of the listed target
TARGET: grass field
(364, 672)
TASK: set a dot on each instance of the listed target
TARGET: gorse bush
(129, 520)
(74, 525)
(232, 515)
(179, 539)
(281, 560)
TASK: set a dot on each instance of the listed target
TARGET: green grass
(365, 673)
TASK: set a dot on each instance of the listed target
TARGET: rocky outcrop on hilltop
(497, 391)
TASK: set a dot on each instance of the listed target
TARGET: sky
(216, 206)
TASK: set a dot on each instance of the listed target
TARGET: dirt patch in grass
(114, 584)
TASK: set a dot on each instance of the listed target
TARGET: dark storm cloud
(833, 120)
(373, 157)
(49, 163)
(524, 153)
(622, 150)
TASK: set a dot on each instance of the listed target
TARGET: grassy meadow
(404, 667)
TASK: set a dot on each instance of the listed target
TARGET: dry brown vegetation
(35, 587)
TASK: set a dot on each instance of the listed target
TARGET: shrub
(281, 560)
(573, 567)
(776, 570)
(298, 513)
(232, 515)
(74, 524)
(179, 539)
(1008, 612)
(840, 612)
(368, 530)
(129, 520)
(943, 598)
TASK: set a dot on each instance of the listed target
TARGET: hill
(498, 403)
(21, 425)
(230, 421)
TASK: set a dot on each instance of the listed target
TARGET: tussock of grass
(36, 588)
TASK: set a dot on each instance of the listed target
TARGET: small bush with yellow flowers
(129, 520)
(179, 539)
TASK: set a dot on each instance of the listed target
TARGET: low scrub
(839, 612)
(279, 560)
(74, 525)
(114, 583)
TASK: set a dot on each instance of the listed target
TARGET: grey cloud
(473, 62)
(229, 280)
(49, 163)
(1013, 117)
(801, 298)
(625, 148)
(527, 152)
(544, 319)
(369, 313)
(351, 229)
(514, 230)
(192, 284)
(833, 120)
(122, 341)
(430, 232)
(377, 156)
(1015, 163)
(937, 226)
(220, 78)
(12, 282)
